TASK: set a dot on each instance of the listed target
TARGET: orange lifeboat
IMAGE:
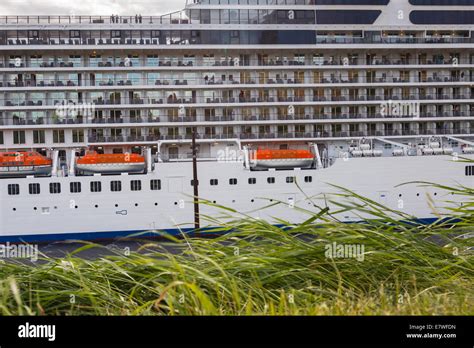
(287, 159)
(95, 163)
(23, 163)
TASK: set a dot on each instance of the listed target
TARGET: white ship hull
(105, 214)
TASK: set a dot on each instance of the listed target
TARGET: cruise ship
(119, 125)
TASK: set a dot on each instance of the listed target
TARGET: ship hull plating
(388, 181)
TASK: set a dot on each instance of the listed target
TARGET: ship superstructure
(262, 83)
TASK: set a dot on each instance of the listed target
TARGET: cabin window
(214, 182)
(469, 170)
(34, 189)
(18, 137)
(290, 179)
(54, 188)
(252, 181)
(115, 186)
(155, 185)
(192, 182)
(96, 186)
(233, 181)
(308, 179)
(75, 187)
(136, 185)
(271, 180)
(13, 189)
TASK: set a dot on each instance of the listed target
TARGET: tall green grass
(257, 268)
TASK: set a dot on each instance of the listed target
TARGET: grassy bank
(262, 269)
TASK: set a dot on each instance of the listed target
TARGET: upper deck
(317, 14)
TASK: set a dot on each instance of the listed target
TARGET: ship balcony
(229, 63)
(435, 79)
(188, 40)
(285, 136)
(445, 97)
(164, 121)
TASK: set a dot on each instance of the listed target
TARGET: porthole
(136, 204)
(96, 206)
(14, 209)
(156, 204)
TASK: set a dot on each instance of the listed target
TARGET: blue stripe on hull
(89, 236)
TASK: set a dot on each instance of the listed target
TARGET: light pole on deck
(195, 182)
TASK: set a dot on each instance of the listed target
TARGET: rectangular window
(155, 185)
(469, 170)
(290, 179)
(13, 189)
(38, 137)
(308, 179)
(58, 136)
(54, 188)
(75, 187)
(115, 186)
(252, 181)
(77, 136)
(214, 182)
(271, 180)
(192, 182)
(136, 185)
(1, 138)
(18, 137)
(233, 181)
(34, 189)
(96, 186)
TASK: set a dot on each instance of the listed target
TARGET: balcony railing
(113, 81)
(181, 62)
(189, 40)
(74, 104)
(103, 121)
(284, 135)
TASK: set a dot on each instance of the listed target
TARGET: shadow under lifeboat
(24, 163)
(263, 159)
(95, 163)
